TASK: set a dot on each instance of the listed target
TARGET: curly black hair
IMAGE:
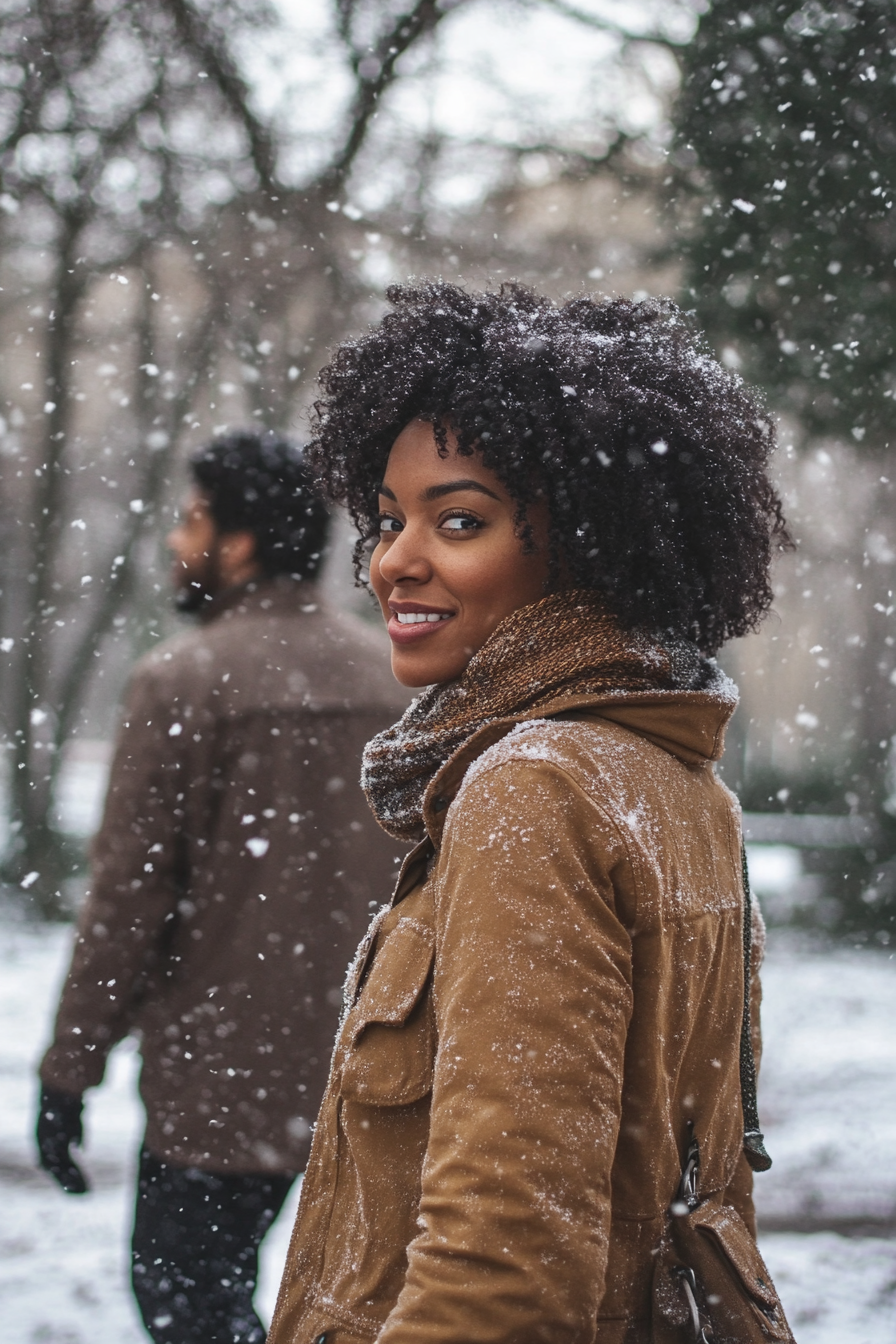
(256, 481)
(652, 457)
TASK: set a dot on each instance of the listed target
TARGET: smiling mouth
(415, 623)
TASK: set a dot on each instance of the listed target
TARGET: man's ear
(238, 557)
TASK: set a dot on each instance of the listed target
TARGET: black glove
(58, 1127)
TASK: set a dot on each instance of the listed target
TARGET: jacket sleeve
(136, 876)
(532, 995)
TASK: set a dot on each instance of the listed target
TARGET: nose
(406, 559)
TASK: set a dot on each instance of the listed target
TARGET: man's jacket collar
(277, 594)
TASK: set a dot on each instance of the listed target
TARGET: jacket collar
(688, 724)
(280, 594)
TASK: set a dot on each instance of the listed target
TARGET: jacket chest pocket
(390, 1032)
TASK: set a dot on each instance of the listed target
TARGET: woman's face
(448, 566)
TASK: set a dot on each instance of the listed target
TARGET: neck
(238, 575)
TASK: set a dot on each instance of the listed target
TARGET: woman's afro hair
(652, 457)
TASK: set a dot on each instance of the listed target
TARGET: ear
(237, 557)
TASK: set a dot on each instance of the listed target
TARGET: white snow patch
(64, 1260)
(834, 1289)
(827, 1095)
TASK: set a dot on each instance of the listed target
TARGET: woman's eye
(460, 522)
(389, 524)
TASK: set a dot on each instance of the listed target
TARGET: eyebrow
(449, 488)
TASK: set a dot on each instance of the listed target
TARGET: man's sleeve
(136, 877)
(533, 999)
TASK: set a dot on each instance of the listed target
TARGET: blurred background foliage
(786, 138)
(783, 181)
(198, 198)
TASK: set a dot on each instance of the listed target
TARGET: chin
(415, 674)
(410, 677)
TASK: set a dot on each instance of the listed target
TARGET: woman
(572, 514)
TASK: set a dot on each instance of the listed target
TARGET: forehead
(416, 461)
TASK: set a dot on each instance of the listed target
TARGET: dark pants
(195, 1251)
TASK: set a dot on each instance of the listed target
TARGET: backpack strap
(754, 1145)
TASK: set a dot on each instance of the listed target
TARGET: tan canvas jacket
(555, 992)
(232, 877)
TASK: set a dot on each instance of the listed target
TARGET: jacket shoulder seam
(600, 807)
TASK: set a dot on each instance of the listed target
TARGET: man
(232, 878)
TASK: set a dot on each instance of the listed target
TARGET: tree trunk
(40, 857)
(36, 855)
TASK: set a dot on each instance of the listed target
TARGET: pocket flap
(722, 1224)
(391, 1029)
(395, 979)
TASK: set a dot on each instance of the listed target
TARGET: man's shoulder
(339, 650)
(180, 650)
(343, 628)
(311, 655)
(183, 659)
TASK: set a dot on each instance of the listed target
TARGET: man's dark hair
(652, 457)
(258, 482)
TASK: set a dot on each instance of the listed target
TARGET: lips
(410, 621)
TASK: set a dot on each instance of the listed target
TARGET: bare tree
(133, 153)
(94, 105)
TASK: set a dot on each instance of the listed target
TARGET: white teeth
(418, 617)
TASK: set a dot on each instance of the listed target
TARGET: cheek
(491, 579)
(187, 545)
(512, 580)
(500, 571)
(199, 540)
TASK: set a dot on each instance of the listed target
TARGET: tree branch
(591, 162)
(570, 11)
(47, 64)
(197, 36)
(408, 28)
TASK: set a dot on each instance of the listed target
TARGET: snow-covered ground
(829, 1108)
(64, 1259)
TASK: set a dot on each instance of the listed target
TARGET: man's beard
(199, 587)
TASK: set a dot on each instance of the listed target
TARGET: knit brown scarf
(564, 645)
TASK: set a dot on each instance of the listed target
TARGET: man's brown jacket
(232, 878)
(555, 993)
